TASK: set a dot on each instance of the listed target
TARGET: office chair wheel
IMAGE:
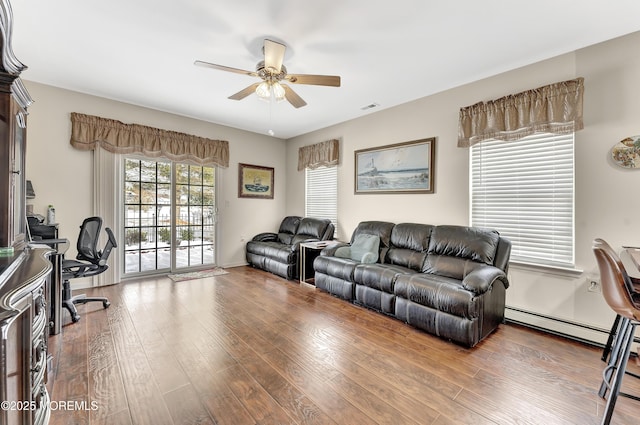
(106, 304)
(75, 317)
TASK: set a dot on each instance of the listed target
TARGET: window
(321, 193)
(525, 190)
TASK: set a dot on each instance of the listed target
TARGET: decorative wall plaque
(626, 153)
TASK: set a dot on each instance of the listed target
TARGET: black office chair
(89, 262)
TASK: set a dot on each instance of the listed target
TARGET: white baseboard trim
(573, 330)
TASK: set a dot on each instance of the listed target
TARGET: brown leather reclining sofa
(447, 280)
(278, 252)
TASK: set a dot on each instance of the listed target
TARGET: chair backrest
(616, 284)
(288, 229)
(88, 240)
(313, 229)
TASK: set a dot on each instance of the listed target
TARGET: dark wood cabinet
(14, 101)
(24, 333)
(24, 273)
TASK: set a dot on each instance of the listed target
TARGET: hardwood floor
(251, 348)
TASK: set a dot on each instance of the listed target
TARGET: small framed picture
(255, 181)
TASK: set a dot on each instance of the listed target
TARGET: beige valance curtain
(318, 155)
(89, 132)
(556, 108)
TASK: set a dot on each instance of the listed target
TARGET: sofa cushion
(411, 236)
(379, 276)
(472, 243)
(288, 228)
(439, 293)
(285, 238)
(409, 244)
(311, 229)
(455, 251)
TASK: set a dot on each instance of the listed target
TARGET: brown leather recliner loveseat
(278, 252)
(447, 280)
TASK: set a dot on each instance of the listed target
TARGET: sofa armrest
(480, 280)
(265, 237)
(330, 250)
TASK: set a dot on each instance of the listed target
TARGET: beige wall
(606, 205)
(63, 176)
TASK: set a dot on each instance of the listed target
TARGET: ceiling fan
(273, 72)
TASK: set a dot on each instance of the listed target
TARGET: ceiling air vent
(369, 106)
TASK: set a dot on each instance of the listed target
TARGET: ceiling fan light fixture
(278, 91)
(266, 90)
(263, 90)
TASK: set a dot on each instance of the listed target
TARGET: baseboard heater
(575, 331)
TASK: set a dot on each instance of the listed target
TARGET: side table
(309, 251)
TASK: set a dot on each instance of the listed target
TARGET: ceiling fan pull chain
(271, 132)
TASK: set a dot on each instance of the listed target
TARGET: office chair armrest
(72, 268)
(106, 251)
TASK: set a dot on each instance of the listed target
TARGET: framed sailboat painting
(400, 168)
(255, 181)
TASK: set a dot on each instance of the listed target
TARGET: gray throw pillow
(365, 248)
(343, 252)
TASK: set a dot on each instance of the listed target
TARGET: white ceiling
(142, 51)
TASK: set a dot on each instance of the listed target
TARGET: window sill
(561, 271)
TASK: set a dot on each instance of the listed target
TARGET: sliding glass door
(195, 215)
(169, 216)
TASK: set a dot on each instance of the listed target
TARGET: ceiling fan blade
(293, 97)
(245, 92)
(316, 80)
(225, 68)
(273, 54)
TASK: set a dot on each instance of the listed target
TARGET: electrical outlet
(594, 286)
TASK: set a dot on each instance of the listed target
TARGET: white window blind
(321, 193)
(525, 190)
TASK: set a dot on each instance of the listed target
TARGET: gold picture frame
(255, 181)
(399, 168)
